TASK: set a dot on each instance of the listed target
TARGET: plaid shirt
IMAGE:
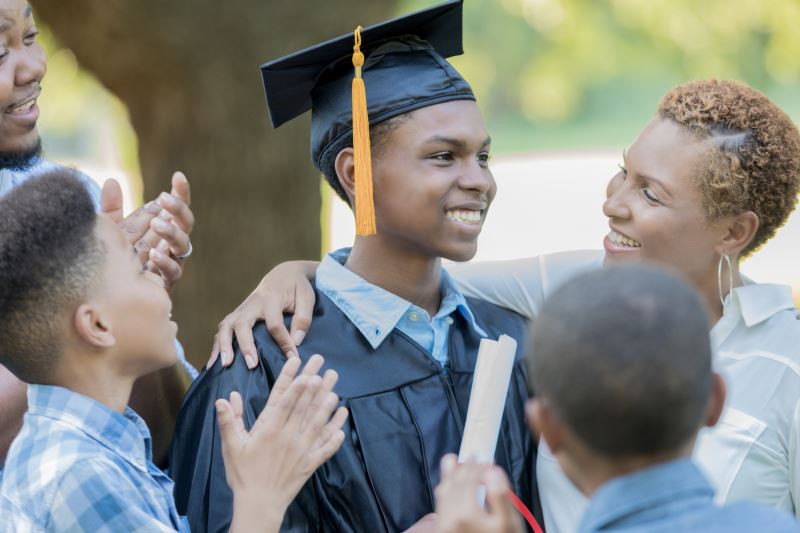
(79, 466)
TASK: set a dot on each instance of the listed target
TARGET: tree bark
(188, 72)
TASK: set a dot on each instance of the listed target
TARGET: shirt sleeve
(522, 285)
(96, 496)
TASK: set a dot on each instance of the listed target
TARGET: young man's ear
(93, 327)
(716, 400)
(542, 423)
(346, 172)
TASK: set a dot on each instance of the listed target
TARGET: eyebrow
(7, 24)
(458, 143)
(645, 177)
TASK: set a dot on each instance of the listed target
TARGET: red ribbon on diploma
(525, 512)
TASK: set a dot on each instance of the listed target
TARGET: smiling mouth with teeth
(622, 240)
(465, 216)
(21, 108)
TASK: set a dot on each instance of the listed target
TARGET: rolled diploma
(487, 399)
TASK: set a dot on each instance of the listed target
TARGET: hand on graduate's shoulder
(298, 430)
(458, 508)
(160, 230)
(285, 289)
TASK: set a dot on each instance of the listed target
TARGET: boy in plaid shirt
(80, 321)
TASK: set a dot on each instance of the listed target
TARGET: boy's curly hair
(755, 161)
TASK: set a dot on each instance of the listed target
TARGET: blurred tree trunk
(188, 72)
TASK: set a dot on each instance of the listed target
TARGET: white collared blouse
(752, 453)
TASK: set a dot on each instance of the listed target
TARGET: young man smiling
(388, 317)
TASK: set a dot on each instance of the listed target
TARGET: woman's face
(654, 205)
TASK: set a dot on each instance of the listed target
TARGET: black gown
(406, 412)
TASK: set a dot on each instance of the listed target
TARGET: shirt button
(413, 316)
(448, 320)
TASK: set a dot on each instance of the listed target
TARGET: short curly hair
(49, 259)
(755, 161)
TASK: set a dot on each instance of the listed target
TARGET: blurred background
(136, 90)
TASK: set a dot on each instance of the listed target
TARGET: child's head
(72, 289)
(620, 361)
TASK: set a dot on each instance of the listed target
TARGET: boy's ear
(93, 327)
(542, 423)
(346, 172)
(716, 401)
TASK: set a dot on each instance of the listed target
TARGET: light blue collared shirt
(376, 311)
(674, 496)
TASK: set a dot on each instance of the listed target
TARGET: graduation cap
(367, 77)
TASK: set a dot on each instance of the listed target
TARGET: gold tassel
(365, 205)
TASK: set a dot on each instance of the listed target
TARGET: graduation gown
(406, 412)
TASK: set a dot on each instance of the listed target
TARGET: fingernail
(164, 215)
(224, 356)
(164, 197)
(152, 207)
(160, 224)
(251, 362)
(163, 246)
(155, 254)
(298, 336)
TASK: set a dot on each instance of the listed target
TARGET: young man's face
(22, 66)
(432, 182)
(136, 306)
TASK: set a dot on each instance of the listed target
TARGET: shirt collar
(374, 310)
(126, 435)
(758, 302)
(647, 489)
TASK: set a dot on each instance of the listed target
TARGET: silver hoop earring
(727, 259)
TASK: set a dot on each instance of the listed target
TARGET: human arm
(297, 431)
(287, 289)
(458, 508)
(13, 404)
(523, 285)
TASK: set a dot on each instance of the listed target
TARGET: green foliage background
(549, 74)
(553, 74)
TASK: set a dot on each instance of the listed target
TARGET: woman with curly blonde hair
(709, 180)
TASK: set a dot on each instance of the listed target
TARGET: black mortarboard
(403, 69)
